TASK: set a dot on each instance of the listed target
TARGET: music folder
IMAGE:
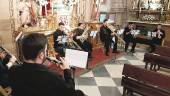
(76, 58)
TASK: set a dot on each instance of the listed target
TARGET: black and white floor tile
(105, 80)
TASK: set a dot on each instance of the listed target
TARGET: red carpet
(98, 58)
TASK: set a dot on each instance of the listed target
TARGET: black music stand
(73, 69)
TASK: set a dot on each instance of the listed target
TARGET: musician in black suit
(33, 78)
(129, 38)
(85, 45)
(6, 61)
(60, 40)
(106, 37)
(157, 37)
(4, 81)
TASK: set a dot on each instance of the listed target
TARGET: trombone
(112, 28)
(70, 40)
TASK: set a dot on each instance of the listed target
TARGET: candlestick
(162, 10)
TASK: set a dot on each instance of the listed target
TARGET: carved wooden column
(7, 24)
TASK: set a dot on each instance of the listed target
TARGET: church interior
(121, 47)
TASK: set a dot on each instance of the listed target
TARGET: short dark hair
(61, 23)
(130, 23)
(79, 24)
(32, 44)
(160, 24)
(105, 20)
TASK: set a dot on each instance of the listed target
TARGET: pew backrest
(148, 77)
(162, 50)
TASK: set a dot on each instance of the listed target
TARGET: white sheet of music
(76, 58)
(113, 39)
(93, 34)
(119, 32)
(153, 34)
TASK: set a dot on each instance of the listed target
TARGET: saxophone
(112, 28)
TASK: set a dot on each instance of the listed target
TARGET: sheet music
(119, 32)
(113, 39)
(149, 34)
(64, 39)
(93, 34)
(76, 58)
(135, 32)
(59, 38)
(153, 34)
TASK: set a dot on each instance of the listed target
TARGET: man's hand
(78, 37)
(113, 33)
(128, 33)
(13, 58)
(65, 64)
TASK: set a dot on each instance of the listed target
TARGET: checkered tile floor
(105, 80)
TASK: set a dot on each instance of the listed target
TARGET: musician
(106, 37)
(115, 40)
(157, 37)
(60, 40)
(33, 78)
(129, 37)
(77, 35)
(5, 61)
(5, 89)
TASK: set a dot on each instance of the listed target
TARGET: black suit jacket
(156, 40)
(105, 34)
(56, 34)
(38, 80)
(127, 37)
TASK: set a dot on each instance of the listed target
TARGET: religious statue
(43, 7)
(27, 12)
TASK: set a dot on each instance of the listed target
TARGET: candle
(140, 9)
(133, 5)
(168, 5)
(51, 7)
(162, 10)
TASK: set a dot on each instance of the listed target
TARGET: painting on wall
(102, 17)
(112, 18)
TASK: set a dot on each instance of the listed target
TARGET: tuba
(112, 28)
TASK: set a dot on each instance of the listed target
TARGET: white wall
(4, 9)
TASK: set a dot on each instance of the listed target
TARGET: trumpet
(112, 28)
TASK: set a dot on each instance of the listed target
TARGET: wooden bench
(144, 82)
(160, 58)
(162, 50)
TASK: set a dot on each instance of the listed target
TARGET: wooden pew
(144, 82)
(160, 58)
(162, 50)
